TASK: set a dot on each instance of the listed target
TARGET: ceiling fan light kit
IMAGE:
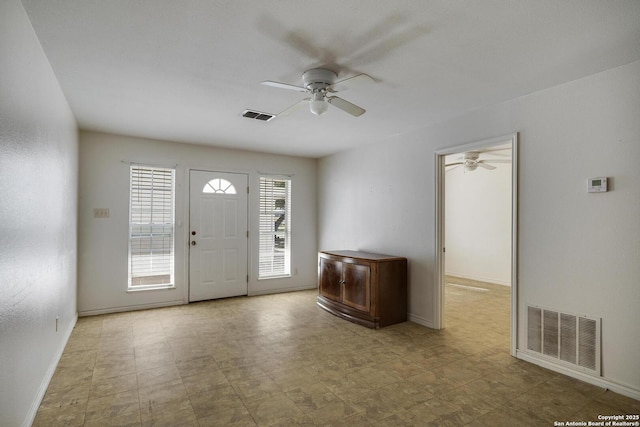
(317, 105)
(318, 82)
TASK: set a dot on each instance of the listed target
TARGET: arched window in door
(219, 186)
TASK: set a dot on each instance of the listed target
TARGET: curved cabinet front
(362, 287)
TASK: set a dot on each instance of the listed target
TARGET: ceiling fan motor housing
(318, 79)
(471, 160)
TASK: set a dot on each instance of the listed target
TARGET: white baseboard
(480, 279)
(129, 308)
(420, 320)
(597, 381)
(97, 312)
(281, 290)
(33, 411)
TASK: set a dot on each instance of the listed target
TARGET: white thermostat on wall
(598, 185)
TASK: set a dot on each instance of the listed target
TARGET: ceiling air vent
(265, 117)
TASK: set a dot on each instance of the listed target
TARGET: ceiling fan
(319, 84)
(471, 161)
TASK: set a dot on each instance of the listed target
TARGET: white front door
(218, 235)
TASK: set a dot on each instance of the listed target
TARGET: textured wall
(38, 204)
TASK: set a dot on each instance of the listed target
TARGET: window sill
(284, 276)
(150, 288)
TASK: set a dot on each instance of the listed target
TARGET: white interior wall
(103, 244)
(38, 204)
(478, 224)
(377, 199)
(578, 252)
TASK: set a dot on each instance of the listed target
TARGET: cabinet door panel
(357, 287)
(330, 277)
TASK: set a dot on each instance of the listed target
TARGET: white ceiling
(185, 70)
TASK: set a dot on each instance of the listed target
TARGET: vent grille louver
(550, 338)
(534, 335)
(587, 352)
(250, 114)
(570, 339)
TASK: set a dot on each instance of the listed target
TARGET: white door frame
(438, 301)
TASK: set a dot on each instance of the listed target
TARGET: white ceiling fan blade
(355, 81)
(293, 108)
(495, 161)
(283, 86)
(346, 106)
(486, 166)
(286, 112)
(454, 164)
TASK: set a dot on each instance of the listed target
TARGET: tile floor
(279, 360)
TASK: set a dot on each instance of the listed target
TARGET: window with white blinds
(151, 227)
(275, 227)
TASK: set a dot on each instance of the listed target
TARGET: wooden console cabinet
(365, 288)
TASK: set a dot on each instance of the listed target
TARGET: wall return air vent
(250, 114)
(569, 339)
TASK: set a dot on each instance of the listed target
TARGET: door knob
(193, 243)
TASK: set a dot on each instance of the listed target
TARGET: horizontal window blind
(275, 227)
(151, 226)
